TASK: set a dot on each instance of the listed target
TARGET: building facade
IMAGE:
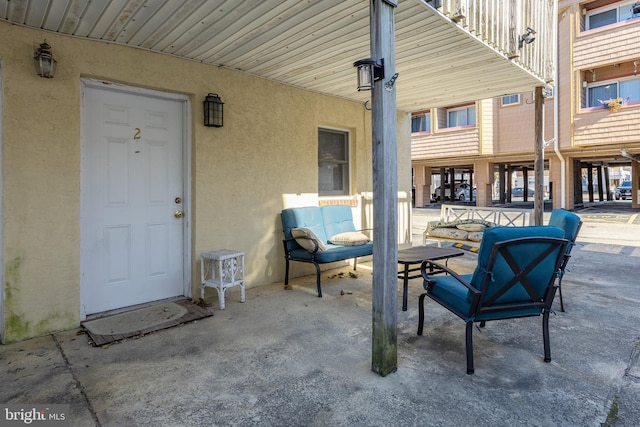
(591, 120)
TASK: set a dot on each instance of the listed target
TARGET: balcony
(607, 45)
(456, 142)
(600, 126)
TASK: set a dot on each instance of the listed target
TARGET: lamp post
(385, 186)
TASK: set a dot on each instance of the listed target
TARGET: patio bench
(321, 235)
(460, 223)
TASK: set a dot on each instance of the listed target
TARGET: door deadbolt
(178, 214)
(178, 200)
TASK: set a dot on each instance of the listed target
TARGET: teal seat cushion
(451, 293)
(334, 253)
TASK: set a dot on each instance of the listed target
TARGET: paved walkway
(290, 358)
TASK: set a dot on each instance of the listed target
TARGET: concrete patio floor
(291, 358)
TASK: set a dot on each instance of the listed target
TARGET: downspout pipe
(556, 113)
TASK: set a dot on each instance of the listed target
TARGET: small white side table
(221, 270)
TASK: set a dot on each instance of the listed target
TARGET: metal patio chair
(515, 277)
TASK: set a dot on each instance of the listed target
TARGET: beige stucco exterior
(240, 173)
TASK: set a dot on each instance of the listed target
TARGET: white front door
(132, 199)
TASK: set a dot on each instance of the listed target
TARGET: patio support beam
(385, 193)
(538, 196)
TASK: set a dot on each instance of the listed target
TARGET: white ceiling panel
(311, 44)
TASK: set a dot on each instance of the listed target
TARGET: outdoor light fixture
(527, 38)
(213, 110)
(44, 62)
(369, 70)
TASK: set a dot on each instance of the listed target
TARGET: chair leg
(560, 293)
(286, 275)
(355, 262)
(421, 313)
(318, 279)
(545, 336)
(469, 346)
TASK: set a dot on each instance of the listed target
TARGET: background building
(591, 121)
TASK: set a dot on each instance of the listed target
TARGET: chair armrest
(315, 244)
(429, 264)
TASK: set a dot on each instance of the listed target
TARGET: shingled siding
(447, 143)
(607, 45)
(605, 127)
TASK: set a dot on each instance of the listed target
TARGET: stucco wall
(240, 172)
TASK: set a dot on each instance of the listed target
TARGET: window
(333, 162)
(511, 99)
(421, 123)
(601, 92)
(465, 116)
(617, 12)
(629, 90)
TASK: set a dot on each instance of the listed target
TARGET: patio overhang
(441, 59)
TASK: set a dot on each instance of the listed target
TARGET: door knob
(178, 214)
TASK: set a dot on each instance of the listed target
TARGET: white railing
(501, 23)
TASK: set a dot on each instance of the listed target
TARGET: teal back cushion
(337, 219)
(523, 254)
(568, 222)
(306, 217)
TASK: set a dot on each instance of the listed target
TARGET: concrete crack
(77, 381)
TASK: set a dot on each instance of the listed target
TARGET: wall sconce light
(527, 38)
(44, 62)
(213, 111)
(369, 70)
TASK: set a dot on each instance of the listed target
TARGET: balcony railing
(501, 24)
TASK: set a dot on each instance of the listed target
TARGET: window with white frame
(461, 116)
(511, 99)
(333, 162)
(627, 89)
(421, 122)
(609, 14)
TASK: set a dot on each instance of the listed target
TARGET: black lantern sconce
(44, 62)
(213, 111)
(369, 70)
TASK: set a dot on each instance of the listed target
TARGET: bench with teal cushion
(324, 223)
(514, 277)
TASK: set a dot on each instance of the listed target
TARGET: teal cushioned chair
(570, 223)
(515, 277)
(324, 222)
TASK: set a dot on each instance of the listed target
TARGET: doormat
(143, 321)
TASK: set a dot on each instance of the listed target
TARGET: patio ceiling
(309, 44)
